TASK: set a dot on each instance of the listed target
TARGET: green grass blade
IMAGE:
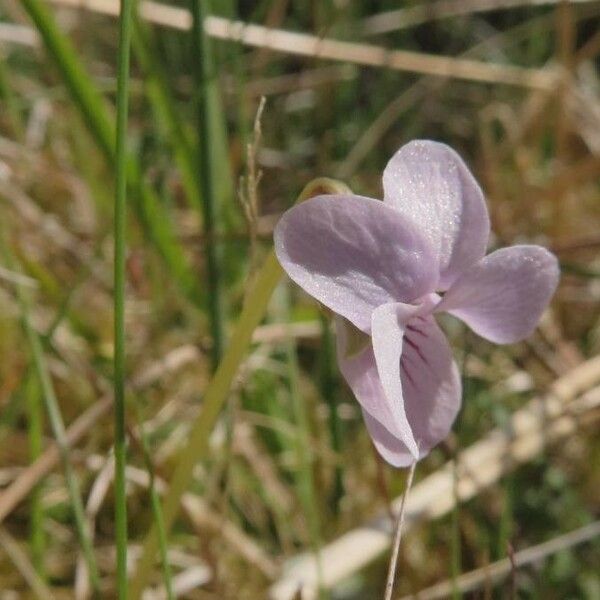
(204, 74)
(157, 514)
(35, 423)
(76, 79)
(8, 98)
(120, 221)
(166, 112)
(329, 392)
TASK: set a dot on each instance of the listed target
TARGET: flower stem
(119, 296)
(389, 587)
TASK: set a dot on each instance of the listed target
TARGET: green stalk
(165, 110)
(119, 292)
(99, 121)
(204, 74)
(506, 518)
(77, 81)
(35, 423)
(10, 101)
(157, 513)
(328, 387)
(56, 422)
(217, 392)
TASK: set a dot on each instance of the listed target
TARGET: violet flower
(386, 268)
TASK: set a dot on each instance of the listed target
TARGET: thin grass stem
(204, 74)
(120, 216)
(10, 101)
(56, 422)
(329, 391)
(389, 586)
(20, 560)
(165, 108)
(35, 424)
(157, 514)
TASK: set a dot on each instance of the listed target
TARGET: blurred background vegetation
(290, 466)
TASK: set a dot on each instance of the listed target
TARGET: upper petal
(353, 254)
(431, 383)
(503, 296)
(429, 182)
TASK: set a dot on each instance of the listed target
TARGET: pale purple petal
(429, 183)
(391, 448)
(429, 386)
(360, 372)
(387, 332)
(353, 254)
(503, 296)
(431, 382)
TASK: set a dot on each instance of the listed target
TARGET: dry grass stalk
(409, 98)
(23, 565)
(469, 582)
(29, 477)
(246, 445)
(279, 332)
(11, 33)
(541, 421)
(205, 518)
(248, 186)
(403, 18)
(96, 497)
(301, 44)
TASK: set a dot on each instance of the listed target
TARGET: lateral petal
(503, 296)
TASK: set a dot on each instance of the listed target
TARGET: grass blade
(21, 561)
(214, 399)
(166, 111)
(204, 74)
(35, 423)
(10, 101)
(157, 514)
(120, 217)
